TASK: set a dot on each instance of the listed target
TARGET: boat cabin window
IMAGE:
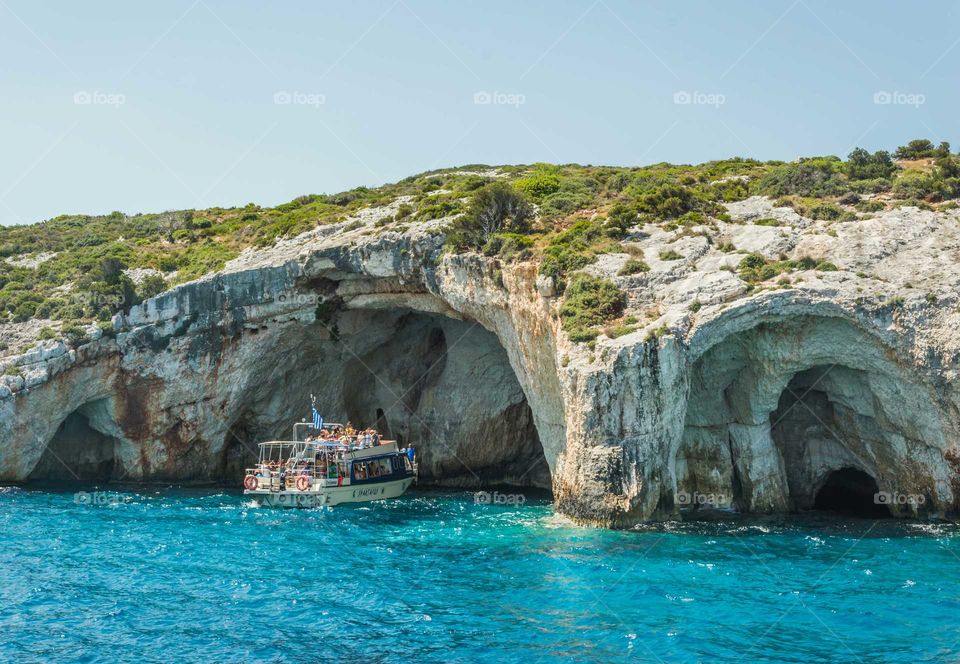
(366, 470)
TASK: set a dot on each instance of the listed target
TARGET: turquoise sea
(200, 575)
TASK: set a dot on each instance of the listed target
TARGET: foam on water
(434, 577)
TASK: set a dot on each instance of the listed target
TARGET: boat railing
(317, 465)
(270, 478)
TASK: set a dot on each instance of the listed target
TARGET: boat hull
(330, 496)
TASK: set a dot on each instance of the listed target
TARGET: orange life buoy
(250, 482)
(303, 482)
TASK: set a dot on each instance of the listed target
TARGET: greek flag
(317, 420)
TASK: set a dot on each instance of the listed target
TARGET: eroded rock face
(762, 400)
(784, 404)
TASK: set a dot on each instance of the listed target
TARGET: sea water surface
(196, 576)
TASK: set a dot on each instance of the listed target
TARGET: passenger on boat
(375, 437)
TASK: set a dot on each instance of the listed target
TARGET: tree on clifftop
(495, 208)
(861, 165)
(922, 148)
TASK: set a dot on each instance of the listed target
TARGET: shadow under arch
(443, 384)
(81, 450)
(776, 407)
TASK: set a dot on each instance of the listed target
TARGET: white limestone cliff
(753, 397)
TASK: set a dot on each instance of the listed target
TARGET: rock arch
(778, 406)
(404, 362)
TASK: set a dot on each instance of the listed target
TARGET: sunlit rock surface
(727, 396)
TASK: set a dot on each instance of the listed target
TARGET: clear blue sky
(182, 109)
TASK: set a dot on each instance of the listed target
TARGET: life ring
(303, 483)
(250, 482)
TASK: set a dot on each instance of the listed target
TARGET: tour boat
(311, 471)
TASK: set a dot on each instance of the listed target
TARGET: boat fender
(249, 482)
(303, 483)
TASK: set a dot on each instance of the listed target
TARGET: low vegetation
(755, 268)
(633, 266)
(590, 302)
(562, 216)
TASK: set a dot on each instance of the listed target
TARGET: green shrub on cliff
(581, 212)
(576, 247)
(861, 165)
(668, 201)
(824, 211)
(621, 218)
(588, 303)
(633, 266)
(871, 206)
(152, 284)
(916, 185)
(509, 246)
(922, 148)
(817, 176)
(755, 268)
(540, 184)
(203, 258)
(438, 206)
(75, 335)
(494, 208)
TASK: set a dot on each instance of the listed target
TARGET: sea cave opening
(850, 492)
(803, 415)
(443, 385)
(819, 433)
(78, 453)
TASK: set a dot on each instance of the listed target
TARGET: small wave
(937, 529)
(556, 520)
